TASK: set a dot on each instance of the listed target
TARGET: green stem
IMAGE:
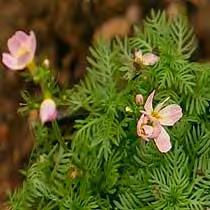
(32, 68)
(58, 135)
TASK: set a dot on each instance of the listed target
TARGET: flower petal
(148, 105)
(9, 61)
(139, 125)
(170, 114)
(163, 141)
(13, 45)
(21, 36)
(19, 40)
(160, 105)
(33, 43)
(148, 129)
(24, 60)
(150, 59)
(140, 130)
(156, 130)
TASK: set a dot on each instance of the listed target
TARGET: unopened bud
(128, 109)
(46, 63)
(48, 111)
(139, 99)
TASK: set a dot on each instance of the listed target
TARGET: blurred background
(65, 29)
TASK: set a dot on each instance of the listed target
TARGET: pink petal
(148, 105)
(141, 119)
(148, 130)
(160, 105)
(139, 125)
(17, 41)
(170, 114)
(21, 36)
(24, 60)
(141, 122)
(13, 45)
(48, 111)
(33, 43)
(150, 59)
(163, 141)
(156, 130)
(9, 61)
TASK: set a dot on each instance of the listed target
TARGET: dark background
(65, 29)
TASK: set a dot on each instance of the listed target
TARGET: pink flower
(147, 129)
(48, 111)
(147, 59)
(165, 116)
(139, 99)
(21, 50)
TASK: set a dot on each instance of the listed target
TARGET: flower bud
(139, 99)
(128, 109)
(48, 111)
(46, 63)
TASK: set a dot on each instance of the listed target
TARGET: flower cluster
(152, 120)
(22, 47)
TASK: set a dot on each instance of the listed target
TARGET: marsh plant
(138, 130)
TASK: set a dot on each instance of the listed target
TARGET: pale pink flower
(147, 59)
(147, 129)
(22, 48)
(139, 99)
(166, 116)
(48, 111)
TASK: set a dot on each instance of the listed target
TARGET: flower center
(156, 115)
(22, 51)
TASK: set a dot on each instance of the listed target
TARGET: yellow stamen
(138, 60)
(22, 51)
(156, 115)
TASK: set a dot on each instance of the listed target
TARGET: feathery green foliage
(101, 163)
